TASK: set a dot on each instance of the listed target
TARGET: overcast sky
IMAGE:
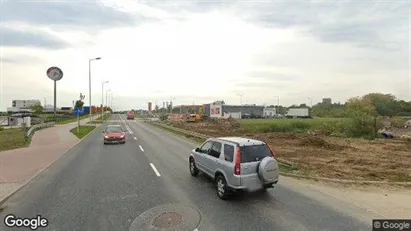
(197, 52)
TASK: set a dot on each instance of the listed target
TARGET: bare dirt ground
(354, 159)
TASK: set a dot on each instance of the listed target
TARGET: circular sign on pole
(55, 73)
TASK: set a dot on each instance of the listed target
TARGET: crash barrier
(198, 135)
(36, 127)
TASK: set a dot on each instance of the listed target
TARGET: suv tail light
(272, 152)
(237, 166)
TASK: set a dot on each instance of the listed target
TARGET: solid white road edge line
(155, 169)
(141, 148)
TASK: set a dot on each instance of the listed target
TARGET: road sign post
(78, 123)
(78, 111)
(55, 74)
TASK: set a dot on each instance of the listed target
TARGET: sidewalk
(20, 165)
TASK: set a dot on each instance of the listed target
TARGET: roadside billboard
(216, 111)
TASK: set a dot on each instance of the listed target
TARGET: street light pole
(311, 104)
(107, 100)
(171, 106)
(278, 105)
(241, 104)
(102, 99)
(89, 84)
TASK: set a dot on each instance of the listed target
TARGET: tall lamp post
(311, 102)
(102, 98)
(111, 103)
(171, 105)
(241, 104)
(278, 105)
(89, 83)
(107, 100)
(311, 105)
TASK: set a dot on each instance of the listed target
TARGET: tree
(157, 107)
(79, 103)
(363, 105)
(385, 104)
(37, 109)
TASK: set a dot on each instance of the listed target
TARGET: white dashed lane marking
(155, 169)
(141, 148)
(135, 138)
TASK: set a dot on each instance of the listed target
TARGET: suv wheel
(221, 186)
(193, 167)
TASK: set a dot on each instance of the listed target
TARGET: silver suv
(235, 163)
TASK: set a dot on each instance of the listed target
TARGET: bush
(360, 127)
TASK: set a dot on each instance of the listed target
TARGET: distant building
(22, 105)
(327, 101)
(150, 105)
(192, 109)
(248, 111)
(269, 111)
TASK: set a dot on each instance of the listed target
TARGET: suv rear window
(254, 153)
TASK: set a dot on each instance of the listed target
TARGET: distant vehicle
(130, 115)
(193, 118)
(114, 134)
(298, 113)
(236, 164)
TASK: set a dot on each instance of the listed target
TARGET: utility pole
(311, 104)
(102, 99)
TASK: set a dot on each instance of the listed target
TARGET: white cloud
(213, 55)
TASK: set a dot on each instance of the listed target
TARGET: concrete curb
(309, 177)
(345, 181)
(5, 198)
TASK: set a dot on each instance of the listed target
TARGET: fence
(36, 127)
(195, 134)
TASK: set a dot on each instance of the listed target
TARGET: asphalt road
(109, 187)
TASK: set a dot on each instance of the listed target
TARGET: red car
(114, 134)
(130, 116)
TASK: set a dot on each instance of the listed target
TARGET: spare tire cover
(268, 169)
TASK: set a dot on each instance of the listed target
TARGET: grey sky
(314, 48)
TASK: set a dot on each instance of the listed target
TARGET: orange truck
(130, 115)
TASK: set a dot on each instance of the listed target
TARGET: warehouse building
(219, 110)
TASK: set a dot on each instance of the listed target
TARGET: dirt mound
(318, 142)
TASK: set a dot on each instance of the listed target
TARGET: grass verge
(12, 139)
(71, 120)
(98, 120)
(84, 130)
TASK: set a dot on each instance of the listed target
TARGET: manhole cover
(167, 220)
(169, 217)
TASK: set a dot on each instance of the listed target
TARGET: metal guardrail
(195, 134)
(36, 127)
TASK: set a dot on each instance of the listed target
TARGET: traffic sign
(55, 73)
(78, 111)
